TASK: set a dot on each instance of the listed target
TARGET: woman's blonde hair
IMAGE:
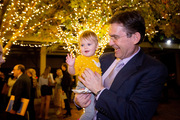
(46, 72)
(32, 72)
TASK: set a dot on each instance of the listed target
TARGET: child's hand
(70, 60)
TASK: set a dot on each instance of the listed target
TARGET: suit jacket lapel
(105, 63)
(129, 69)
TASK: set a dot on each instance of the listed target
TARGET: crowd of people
(24, 83)
(122, 85)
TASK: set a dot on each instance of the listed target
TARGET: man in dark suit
(21, 89)
(134, 92)
(66, 87)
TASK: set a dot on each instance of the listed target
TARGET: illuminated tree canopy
(38, 23)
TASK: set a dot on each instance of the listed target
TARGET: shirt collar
(125, 60)
(19, 75)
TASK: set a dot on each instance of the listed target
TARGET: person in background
(11, 82)
(3, 91)
(1, 62)
(88, 43)
(21, 89)
(1, 55)
(58, 93)
(132, 81)
(32, 75)
(46, 91)
(74, 84)
(66, 87)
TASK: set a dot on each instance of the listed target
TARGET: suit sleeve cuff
(97, 97)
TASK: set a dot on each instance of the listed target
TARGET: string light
(17, 18)
(85, 19)
(93, 17)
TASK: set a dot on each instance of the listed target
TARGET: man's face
(1, 55)
(123, 46)
(16, 71)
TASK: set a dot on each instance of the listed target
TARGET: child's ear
(97, 46)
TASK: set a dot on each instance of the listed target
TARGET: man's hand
(93, 81)
(12, 111)
(82, 100)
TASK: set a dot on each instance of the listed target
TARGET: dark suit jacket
(21, 89)
(66, 81)
(135, 91)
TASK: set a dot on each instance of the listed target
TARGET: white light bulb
(168, 42)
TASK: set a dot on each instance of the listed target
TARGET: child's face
(88, 47)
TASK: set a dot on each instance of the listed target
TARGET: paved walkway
(166, 111)
(52, 112)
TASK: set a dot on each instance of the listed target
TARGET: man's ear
(137, 37)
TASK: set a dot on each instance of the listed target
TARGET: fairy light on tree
(89, 15)
(21, 19)
(160, 15)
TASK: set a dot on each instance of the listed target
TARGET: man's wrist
(97, 92)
